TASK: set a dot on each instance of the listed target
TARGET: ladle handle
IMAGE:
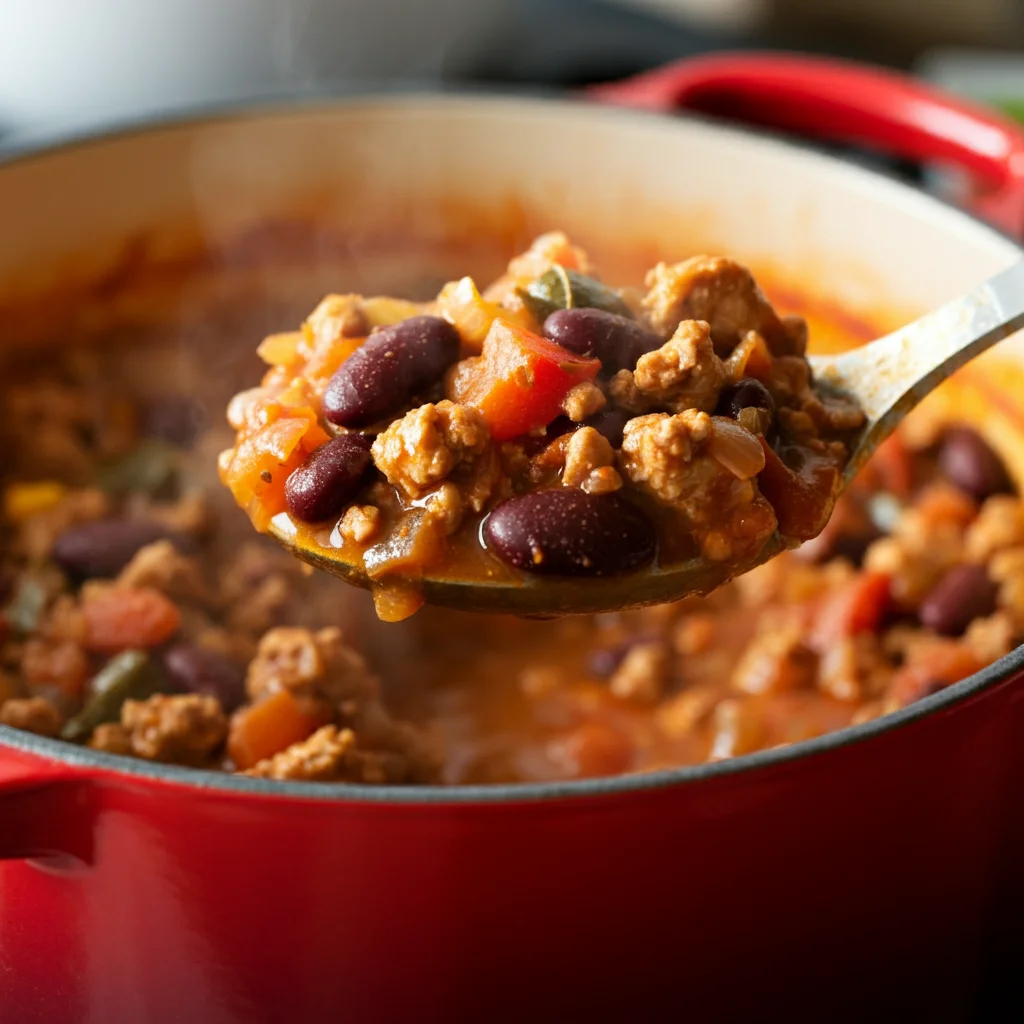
(891, 375)
(849, 103)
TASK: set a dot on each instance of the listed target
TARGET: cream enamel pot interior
(139, 892)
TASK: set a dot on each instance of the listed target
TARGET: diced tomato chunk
(124, 617)
(521, 380)
(859, 607)
(257, 470)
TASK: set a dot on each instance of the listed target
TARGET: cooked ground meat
(211, 648)
(33, 714)
(360, 523)
(161, 567)
(332, 755)
(60, 664)
(684, 373)
(583, 400)
(672, 458)
(659, 452)
(177, 728)
(548, 346)
(311, 664)
(590, 463)
(428, 444)
(724, 294)
(112, 738)
(337, 316)
(327, 756)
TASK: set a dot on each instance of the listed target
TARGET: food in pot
(141, 616)
(550, 425)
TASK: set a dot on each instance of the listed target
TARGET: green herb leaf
(561, 288)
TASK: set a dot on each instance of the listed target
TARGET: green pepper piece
(561, 288)
(150, 467)
(26, 606)
(130, 675)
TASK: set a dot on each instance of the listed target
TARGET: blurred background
(65, 63)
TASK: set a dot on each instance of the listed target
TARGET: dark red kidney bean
(611, 423)
(329, 479)
(616, 340)
(747, 393)
(103, 548)
(567, 532)
(557, 427)
(198, 670)
(392, 366)
(967, 460)
(964, 594)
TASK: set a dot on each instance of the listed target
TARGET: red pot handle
(46, 808)
(845, 102)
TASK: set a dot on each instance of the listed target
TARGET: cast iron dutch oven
(873, 871)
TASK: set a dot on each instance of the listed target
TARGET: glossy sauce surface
(807, 645)
(478, 528)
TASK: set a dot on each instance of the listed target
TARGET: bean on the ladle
(568, 532)
(609, 422)
(616, 340)
(329, 479)
(393, 365)
(748, 393)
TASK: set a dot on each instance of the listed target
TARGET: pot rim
(25, 148)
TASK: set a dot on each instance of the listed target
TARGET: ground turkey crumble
(670, 458)
(33, 714)
(590, 463)
(722, 293)
(683, 374)
(428, 444)
(178, 728)
(469, 400)
(839, 631)
(333, 755)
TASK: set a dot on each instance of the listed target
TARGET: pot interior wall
(371, 175)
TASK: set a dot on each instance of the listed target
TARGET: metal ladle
(886, 378)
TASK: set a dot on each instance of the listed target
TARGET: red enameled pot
(872, 873)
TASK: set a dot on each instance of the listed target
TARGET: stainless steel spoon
(886, 379)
